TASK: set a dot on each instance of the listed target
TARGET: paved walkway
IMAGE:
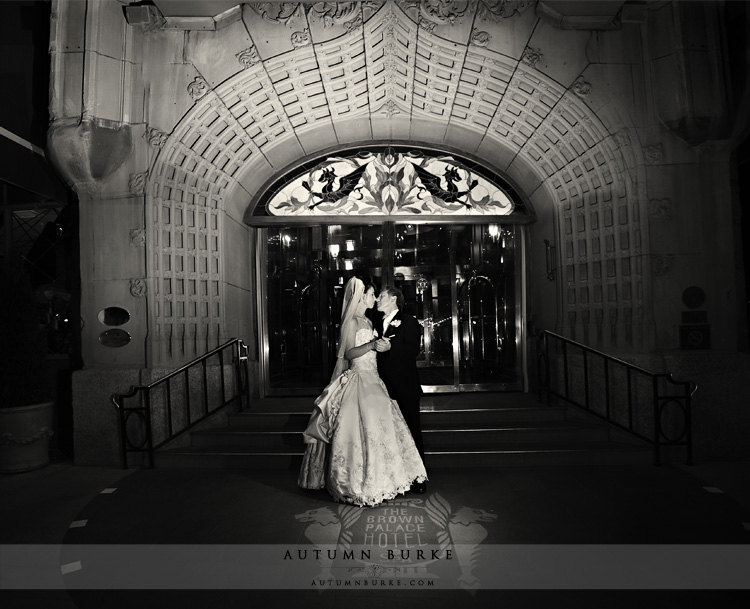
(565, 524)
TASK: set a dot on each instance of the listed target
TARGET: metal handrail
(177, 423)
(659, 399)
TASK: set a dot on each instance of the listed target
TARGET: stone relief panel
(480, 38)
(653, 154)
(329, 14)
(661, 265)
(249, 57)
(137, 183)
(198, 88)
(138, 237)
(277, 12)
(138, 288)
(495, 10)
(531, 56)
(301, 39)
(660, 209)
(155, 137)
(581, 88)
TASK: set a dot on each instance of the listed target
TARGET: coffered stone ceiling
(485, 78)
(488, 79)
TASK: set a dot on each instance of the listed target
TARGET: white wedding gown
(359, 446)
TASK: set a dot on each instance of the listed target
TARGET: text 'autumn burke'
(398, 555)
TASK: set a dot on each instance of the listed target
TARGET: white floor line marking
(712, 489)
(107, 491)
(71, 567)
(77, 524)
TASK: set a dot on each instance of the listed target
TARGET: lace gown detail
(372, 456)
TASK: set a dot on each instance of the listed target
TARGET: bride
(358, 444)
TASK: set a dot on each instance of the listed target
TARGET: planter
(24, 437)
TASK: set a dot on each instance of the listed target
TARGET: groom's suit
(398, 369)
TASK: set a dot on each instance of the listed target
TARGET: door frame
(263, 341)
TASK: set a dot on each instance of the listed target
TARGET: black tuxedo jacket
(398, 366)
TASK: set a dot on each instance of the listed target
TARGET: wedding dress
(358, 444)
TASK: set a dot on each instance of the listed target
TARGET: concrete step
(435, 435)
(430, 418)
(542, 454)
(429, 401)
(475, 429)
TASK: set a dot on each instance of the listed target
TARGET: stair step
(460, 430)
(298, 420)
(581, 453)
(429, 401)
(434, 436)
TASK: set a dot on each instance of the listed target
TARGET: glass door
(460, 281)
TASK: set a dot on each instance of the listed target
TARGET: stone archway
(404, 73)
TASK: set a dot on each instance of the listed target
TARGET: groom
(398, 349)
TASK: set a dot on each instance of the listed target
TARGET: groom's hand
(382, 344)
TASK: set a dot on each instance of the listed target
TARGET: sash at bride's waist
(367, 363)
(326, 411)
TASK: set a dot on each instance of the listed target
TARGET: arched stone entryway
(473, 82)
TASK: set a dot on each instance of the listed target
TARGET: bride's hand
(382, 344)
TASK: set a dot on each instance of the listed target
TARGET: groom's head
(390, 298)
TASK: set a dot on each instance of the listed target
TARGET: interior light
(334, 250)
(349, 245)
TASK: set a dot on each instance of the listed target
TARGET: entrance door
(461, 281)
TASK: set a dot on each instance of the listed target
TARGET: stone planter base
(24, 437)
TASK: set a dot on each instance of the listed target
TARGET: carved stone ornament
(426, 25)
(622, 138)
(334, 13)
(138, 288)
(137, 183)
(249, 57)
(494, 10)
(155, 137)
(390, 108)
(660, 209)
(653, 153)
(137, 237)
(444, 11)
(531, 56)
(661, 265)
(301, 39)
(198, 88)
(276, 12)
(355, 24)
(581, 88)
(480, 39)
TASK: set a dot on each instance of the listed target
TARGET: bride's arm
(349, 335)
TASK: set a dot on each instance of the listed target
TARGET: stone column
(95, 142)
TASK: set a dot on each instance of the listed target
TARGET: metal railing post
(148, 445)
(594, 403)
(657, 422)
(149, 436)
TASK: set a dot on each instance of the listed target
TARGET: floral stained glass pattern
(390, 183)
